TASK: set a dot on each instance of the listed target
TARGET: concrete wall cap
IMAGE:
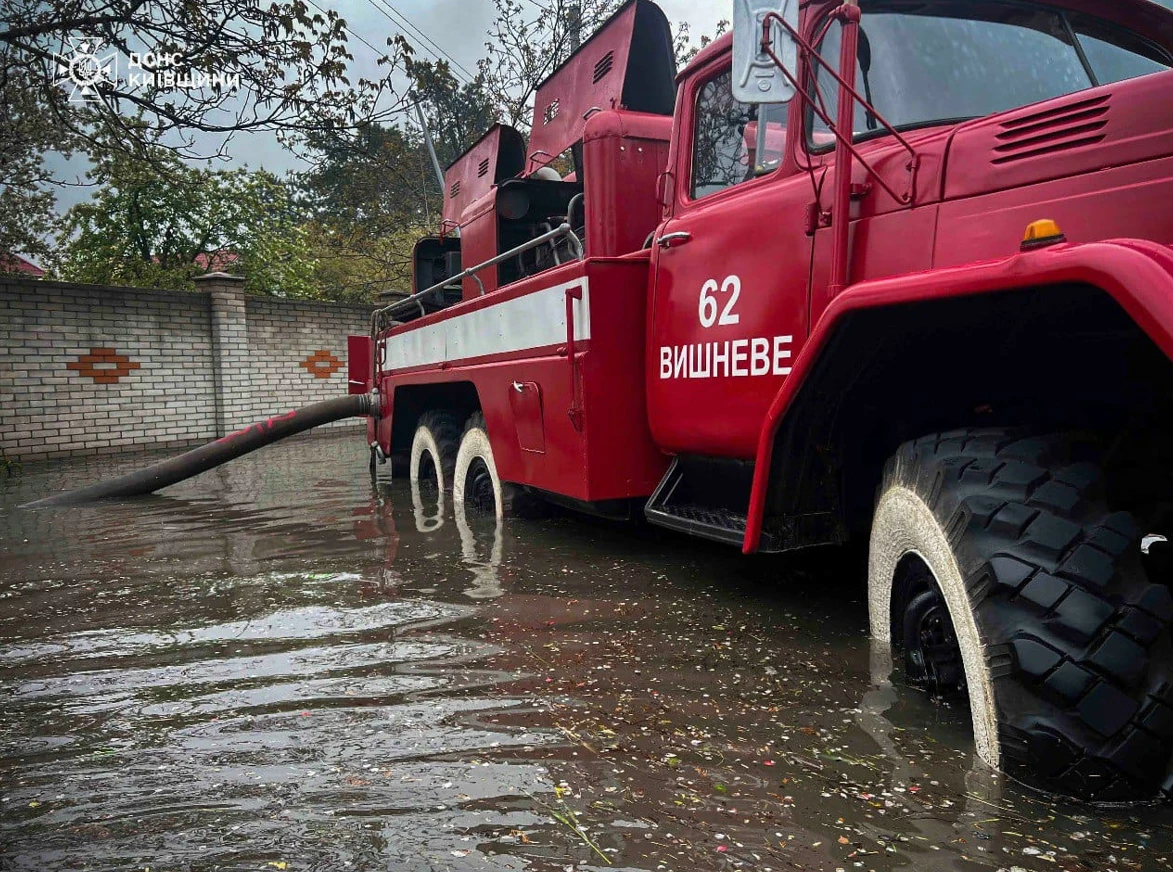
(218, 277)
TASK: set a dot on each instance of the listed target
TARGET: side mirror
(756, 78)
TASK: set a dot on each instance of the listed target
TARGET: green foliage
(9, 466)
(282, 66)
(372, 192)
(28, 130)
(353, 264)
(156, 222)
(378, 178)
(457, 114)
(368, 196)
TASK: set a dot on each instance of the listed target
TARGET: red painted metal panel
(563, 100)
(358, 364)
(1080, 133)
(478, 243)
(627, 63)
(753, 233)
(526, 402)
(1111, 203)
(496, 156)
(622, 458)
(624, 154)
(1137, 274)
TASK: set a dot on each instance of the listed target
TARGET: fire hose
(177, 469)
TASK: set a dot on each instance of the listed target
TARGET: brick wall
(289, 342)
(90, 369)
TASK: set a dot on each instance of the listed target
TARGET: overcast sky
(459, 27)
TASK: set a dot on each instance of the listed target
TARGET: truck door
(732, 266)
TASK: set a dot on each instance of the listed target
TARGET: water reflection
(280, 664)
(429, 512)
(481, 554)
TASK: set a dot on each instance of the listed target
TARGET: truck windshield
(925, 63)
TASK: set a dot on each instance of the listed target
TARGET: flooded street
(278, 666)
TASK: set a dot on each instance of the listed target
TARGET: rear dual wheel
(430, 467)
(477, 487)
(446, 456)
(433, 452)
(999, 572)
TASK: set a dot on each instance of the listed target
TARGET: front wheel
(999, 574)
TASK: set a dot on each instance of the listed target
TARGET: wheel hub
(932, 656)
(479, 493)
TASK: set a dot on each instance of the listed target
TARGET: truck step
(708, 497)
(705, 497)
(719, 525)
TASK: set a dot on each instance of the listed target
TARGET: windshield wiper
(915, 125)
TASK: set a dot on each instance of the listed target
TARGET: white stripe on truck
(532, 321)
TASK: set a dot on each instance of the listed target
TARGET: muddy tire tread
(446, 430)
(516, 501)
(1077, 640)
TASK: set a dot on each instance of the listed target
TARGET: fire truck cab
(887, 270)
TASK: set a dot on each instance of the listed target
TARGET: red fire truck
(897, 272)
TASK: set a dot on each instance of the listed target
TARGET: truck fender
(1137, 274)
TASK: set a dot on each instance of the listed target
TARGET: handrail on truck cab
(818, 105)
(563, 229)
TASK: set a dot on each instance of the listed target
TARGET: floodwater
(279, 666)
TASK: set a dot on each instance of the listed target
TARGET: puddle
(279, 666)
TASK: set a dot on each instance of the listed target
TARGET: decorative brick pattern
(283, 335)
(88, 369)
(321, 364)
(104, 365)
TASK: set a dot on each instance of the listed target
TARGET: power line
(407, 21)
(403, 21)
(348, 30)
(401, 27)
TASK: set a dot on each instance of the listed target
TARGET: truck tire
(997, 569)
(433, 451)
(477, 488)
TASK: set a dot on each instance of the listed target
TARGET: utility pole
(574, 24)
